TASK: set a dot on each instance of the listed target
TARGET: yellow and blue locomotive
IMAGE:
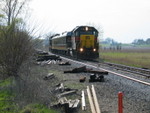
(81, 42)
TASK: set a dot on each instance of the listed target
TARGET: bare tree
(15, 40)
(12, 8)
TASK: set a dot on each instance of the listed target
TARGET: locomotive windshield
(86, 31)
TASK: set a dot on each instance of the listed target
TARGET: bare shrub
(15, 48)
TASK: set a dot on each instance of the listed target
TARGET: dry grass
(131, 57)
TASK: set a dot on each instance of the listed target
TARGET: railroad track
(139, 71)
(112, 66)
(135, 70)
(97, 66)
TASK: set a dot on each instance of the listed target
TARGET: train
(81, 42)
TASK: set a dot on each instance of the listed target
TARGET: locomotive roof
(62, 35)
(76, 28)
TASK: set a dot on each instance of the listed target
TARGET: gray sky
(122, 20)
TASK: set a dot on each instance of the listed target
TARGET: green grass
(6, 102)
(37, 108)
(128, 58)
(6, 82)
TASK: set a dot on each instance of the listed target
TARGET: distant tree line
(141, 42)
(111, 44)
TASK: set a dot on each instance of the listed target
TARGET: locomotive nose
(87, 41)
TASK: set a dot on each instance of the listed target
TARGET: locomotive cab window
(95, 33)
(77, 34)
(86, 33)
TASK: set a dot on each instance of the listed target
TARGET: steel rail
(140, 71)
(118, 74)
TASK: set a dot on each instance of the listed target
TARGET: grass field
(131, 57)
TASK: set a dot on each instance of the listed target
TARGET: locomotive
(81, 42)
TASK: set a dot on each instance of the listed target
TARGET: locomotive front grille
(87, 41)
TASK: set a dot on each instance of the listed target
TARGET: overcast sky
(122, 20)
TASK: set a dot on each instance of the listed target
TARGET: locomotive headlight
(86, 28)
(81, 49)
(94, 49)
